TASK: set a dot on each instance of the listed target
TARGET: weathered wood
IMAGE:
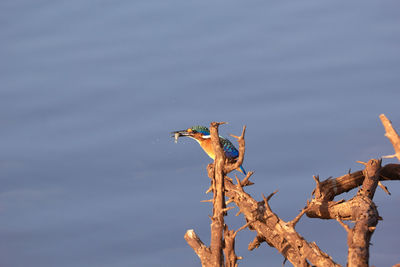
(222, 239)
(217, 224)
(392, 135)
(366, 217)
(276, 232)
(282, 235)
(202, 251)
(230, 166)
(323, 206)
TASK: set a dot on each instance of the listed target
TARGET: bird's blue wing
(230, 150)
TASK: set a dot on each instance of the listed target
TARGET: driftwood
(282, 235)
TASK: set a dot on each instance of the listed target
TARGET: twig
(362, 162)
(256, 242)
(229, 201)
(317, 190)
(239, 160)
(239, 185)
(384, 188)
(246, 181)
(228, 208)
(209, 189)
(392, 135)
(345, 226)
(266, 199)
(298, 217)
(243, 227)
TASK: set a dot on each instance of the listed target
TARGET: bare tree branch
(217, 225)
(213, 256)
(229, 250)
(322, 205)
(239, 161)
(366, 217)
(277, 233)
(392, 135)
(199, 248)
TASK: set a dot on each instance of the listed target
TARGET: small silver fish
(176, 137)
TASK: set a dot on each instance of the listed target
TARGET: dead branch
(322, 205)
(392, 135)
(239, 161)
(277, 233)
(298, 217)
(366, 217)
(229, 250)
(259, 217)
(213, 256)
(384, 188)
(256, 242)
(333, 187)
(245, 181)
(217, 225)
(345, 226)
(199, 248)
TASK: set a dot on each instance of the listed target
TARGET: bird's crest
(200, 129)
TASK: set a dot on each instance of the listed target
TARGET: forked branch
(277, 233)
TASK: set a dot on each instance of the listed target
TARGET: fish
(176, 137)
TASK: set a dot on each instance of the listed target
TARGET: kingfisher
(202, 135)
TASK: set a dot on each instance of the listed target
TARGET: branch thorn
(345, 226)
(209, 189)
(229, 201)
(228, 208)
(384, 188)
(245, 181)
(242, 228)
(389, 156)
(298, 217)
(362, 162)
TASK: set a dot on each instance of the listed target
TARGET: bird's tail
(241, 169)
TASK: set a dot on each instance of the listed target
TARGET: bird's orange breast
(207, 147)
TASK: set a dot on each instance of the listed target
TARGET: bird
(202, 135)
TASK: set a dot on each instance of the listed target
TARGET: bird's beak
(178, 134)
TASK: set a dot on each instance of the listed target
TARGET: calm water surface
(90, 91)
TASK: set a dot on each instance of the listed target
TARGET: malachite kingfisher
(202, 135)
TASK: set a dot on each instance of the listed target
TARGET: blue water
(89, 175)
